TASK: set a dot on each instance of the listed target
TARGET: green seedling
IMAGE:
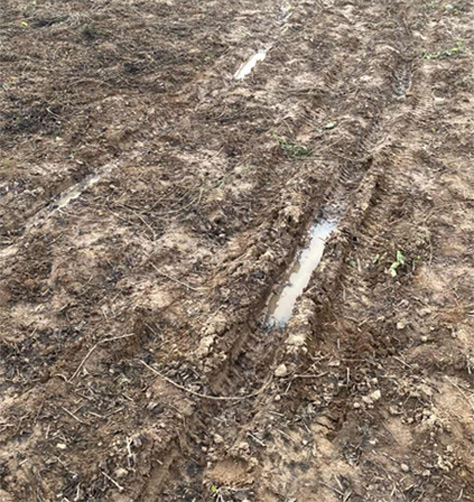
(213, 489)
(89, 31)
(447, 53)
(220, 182)
(293, 150)
(400, 261)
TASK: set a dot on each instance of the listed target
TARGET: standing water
(280, 307)
(247, 67)
(76, 191)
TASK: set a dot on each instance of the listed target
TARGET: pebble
(356, 406)
(372, 397)
(218, 439)
(404, 467)
(281, 371)
(424, 339)
(120, 473)
(376, 395)
(61, 446)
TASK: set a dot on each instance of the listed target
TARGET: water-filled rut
(282, 302)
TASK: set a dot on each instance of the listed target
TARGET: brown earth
(134, 362)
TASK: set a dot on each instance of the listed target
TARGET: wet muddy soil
(158, 179)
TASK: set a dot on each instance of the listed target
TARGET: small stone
(281, 371)
(356, 406)
(120, 473)
(376, 395)
(401, 325)
(404, 467)
(424, 339)
(218, 439)
(372, 397)
(278, 397)
(61, 446)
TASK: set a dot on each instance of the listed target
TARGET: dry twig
(100, 342)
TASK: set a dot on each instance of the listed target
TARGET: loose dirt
(136, 364)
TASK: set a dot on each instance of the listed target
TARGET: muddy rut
(158, 191)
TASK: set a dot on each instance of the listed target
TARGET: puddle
(281, 305)
(246, 68)
(76, 191)
(64, 199)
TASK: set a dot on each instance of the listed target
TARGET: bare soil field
(153, 202)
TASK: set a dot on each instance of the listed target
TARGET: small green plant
(452, 9)
(400, 261)
(213, 489)
(447, 53)
(90, 32)
(432, 5)
(222, 181)
(293, 150)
